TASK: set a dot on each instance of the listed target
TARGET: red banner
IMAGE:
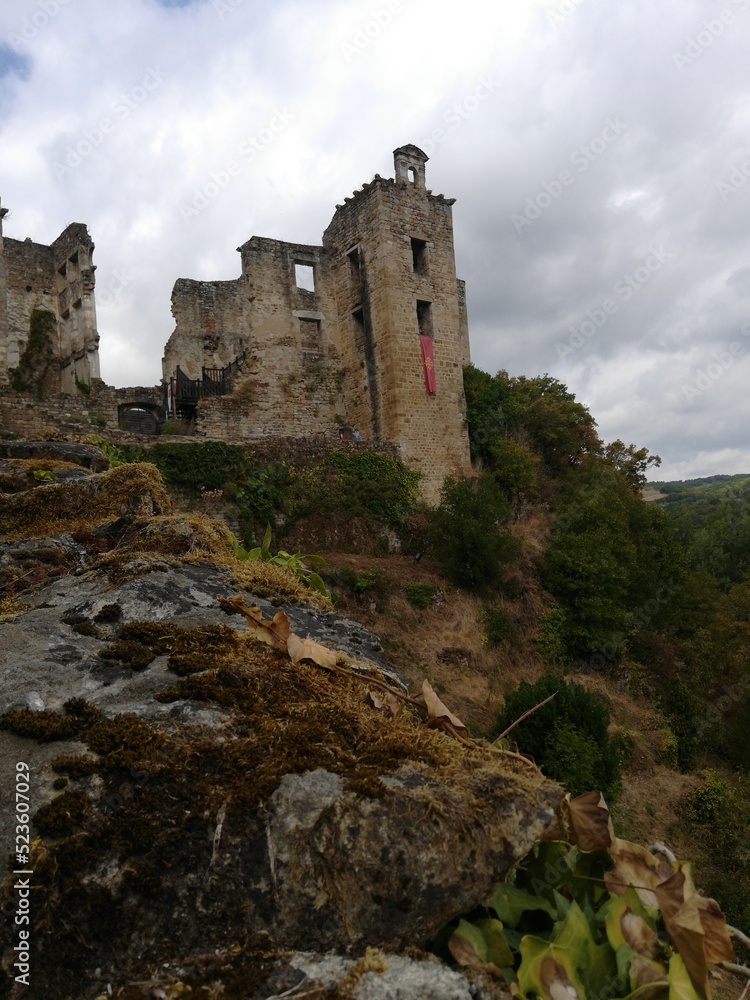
(428, 362)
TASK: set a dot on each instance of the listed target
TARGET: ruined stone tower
(59, 279)
(367, 330)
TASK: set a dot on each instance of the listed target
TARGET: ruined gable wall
(212, 325)
(293, 356)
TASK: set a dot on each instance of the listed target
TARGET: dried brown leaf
(645, 972)
(679, 909)
(588, 820)
(308, 649)
(717, 944)
(274, 632)
(636, 866)
(376, 701)
(465, 954)
(388, 701)
(437, 713)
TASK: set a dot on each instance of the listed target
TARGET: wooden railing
(213, 382)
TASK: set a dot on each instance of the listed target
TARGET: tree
(465, 534)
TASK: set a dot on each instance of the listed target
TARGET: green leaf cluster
(554, 931)
(293, 562)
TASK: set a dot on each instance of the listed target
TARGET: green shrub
(550, 640)
(420, 595)
(371, 582)
(464, 533)
(683, 708)
(498, 625)
(212, 464)
(711, 801)
(363, 484)
(568, 736)
(668, 751)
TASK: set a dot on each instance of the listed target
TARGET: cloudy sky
(599, 152)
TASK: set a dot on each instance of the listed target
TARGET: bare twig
(525, 715)
(742, 938)
(220, 817)
(292, 991)
(742, 970)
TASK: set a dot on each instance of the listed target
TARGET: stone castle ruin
(363, 337)
(58, 279)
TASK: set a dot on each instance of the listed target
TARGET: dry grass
(52, 510)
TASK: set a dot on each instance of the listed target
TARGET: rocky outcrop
(204, 810)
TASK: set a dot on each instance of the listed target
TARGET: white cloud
(187, 87)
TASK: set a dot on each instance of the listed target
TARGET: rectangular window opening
(419, 256)
(304, 276)
(424, 318)
(310, 334)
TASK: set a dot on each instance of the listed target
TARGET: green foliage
(83, 387)
(568, 736)
(44, 476)
(464, 533)
(632, 463)
(712, 519)
(561, 431)
(684, 709)
(610, 557)
(362, 484)
(514, 469)
(554, 931)
(709, 802)
(293, 562)
(117, 456)
(420, 595)
(38, 354)
(491, 410)
(717, 817)
(668, 753)
(498, 625)
(550, 641)
(370, 582)
(211, 464)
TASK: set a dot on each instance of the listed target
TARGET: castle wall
(60, 279)
(211, 325)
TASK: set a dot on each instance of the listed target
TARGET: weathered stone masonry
(331, 332)
(319, 338)
(60, 279)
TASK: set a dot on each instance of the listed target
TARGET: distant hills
(712, 520)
